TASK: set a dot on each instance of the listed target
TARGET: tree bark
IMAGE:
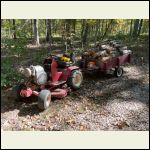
(108, 27)
(48, 31)
(36, 34)
(74, 26)
(140, 27)
(102, 27)
(68, 31)
(99, 29)
(131, 29)
(136, 27)
(96, 30)
(68, 26)
(14, 29)
(32, 29)
(85, 35)
(82, 30)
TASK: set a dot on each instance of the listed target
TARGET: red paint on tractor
(55, 74)
(57, 79)
(26, 93)
(59, 93)
(72, 68)
(66, 72)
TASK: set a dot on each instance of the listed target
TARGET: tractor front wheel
(44, 99)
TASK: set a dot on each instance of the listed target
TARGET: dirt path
(102, 103)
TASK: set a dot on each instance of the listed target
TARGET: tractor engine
(37, 73)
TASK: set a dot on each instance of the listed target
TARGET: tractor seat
(62, 64)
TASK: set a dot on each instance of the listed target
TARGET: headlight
(27, 72)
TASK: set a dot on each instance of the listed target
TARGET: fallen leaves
(101, 104)
(121, 124)
(70, 121)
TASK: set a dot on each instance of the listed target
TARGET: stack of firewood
(103, 52)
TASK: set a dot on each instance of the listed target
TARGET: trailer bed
(112, 63)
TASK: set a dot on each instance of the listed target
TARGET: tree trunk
(85, 35)
(68, 26)
(99, 29)
(108, 27)
(106, 23)
(36, 34)
(68, 31)
(102, 27)
(140, 27)
(74, 26)
(48, 31)
(136, 27)
(10, 24)
(96, 30)
(82, 30)
(14, 29)
(32, 29)
(131, 29)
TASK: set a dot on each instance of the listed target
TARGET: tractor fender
(71, 68)
(67, 72)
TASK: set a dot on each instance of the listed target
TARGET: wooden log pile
(103, 52)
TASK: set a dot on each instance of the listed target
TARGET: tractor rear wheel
(44, 99)
(75, 79)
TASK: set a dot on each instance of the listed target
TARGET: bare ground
(102, 103)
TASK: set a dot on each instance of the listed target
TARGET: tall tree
(140, 26)
(14, 29)
(131, 28)
(107, 28)
(102, 27)
(85, 34)
(74, 25)
(82, 28)
(48, 31)
(97, 30)
(68, 26)
(68, 31)
(36, 34)
(136, 27)
(32, 29)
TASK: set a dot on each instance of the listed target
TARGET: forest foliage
(68, 33)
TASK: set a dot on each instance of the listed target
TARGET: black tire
(118, 72)
(44, 99)
(75, 79)
(17, 90)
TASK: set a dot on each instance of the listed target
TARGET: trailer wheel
(75, 79)
(118, 72)
(44, 99)
(17, 90)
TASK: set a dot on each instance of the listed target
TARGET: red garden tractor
(56, 78)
